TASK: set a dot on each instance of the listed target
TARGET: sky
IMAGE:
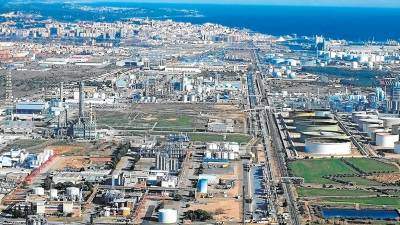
(358, 3)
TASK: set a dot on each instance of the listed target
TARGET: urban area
(145, 121)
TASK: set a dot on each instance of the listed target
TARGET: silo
(107, 211)
(53, 193)
(167, 216)
(38, 191)
(225, 155)
(202, 186)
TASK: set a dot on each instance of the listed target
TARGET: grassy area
(371, 165)
(113, 118)
(360, 181)
(370, 201)
(316, 192)
(313, 170)
(239, 138)
(182, 121)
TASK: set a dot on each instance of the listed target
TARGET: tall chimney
(61, 91)
(81, 99)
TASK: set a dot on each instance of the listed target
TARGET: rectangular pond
(360, 214)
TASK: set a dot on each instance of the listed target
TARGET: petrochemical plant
(144, 121)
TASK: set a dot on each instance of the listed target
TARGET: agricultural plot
(372, 165)
(313, 171)
(320, 192)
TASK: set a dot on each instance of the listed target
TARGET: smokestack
(81, 99)
(61, 91)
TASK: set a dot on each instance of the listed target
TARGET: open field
(369, 201)
(168, 117)
(313, 170)
(320, 192)
(230, 208)
(360, 181)
(371, 165)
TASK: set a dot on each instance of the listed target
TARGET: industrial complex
(145, 121)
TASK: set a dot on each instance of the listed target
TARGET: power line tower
(9, 92)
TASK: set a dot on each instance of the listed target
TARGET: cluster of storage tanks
(41, 158)
(383, 130)
(71, 193)
(320, 133)
(279, 72)
(225, 150)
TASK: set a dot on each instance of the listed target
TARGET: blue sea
(356, 24)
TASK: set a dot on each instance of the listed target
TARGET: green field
(360, 181)
(371, 165)
(313, 170)
(175, 123)
(369, 201)
(316, 192)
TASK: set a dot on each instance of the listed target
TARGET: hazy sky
(360, 3)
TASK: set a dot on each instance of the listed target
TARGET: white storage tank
(386, 140)
(328, 146)
(225, 155)
(38, 191)
(73, 192)
(167, 216)
(53, 193)
(366, 123)
(232, 156)
(323, 113)
(388, 122)
(107, 211)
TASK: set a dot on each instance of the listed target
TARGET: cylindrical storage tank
(355, 115)
(365, 123)
(207, 155)
(231, 156)
(202, 186)
(73, 192)
(305, 126)
(38, 191)
(225, 155)
(167, 216)
(322, 134)
(395, 129)
(125, 211)
(373, 131)
(301, 113)
(397, 148)
(107, 211)
(388, 122)
(323, 113)
(328, 146)
(53, 193)
(386, 140)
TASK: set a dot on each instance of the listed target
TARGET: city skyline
(335, 3)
